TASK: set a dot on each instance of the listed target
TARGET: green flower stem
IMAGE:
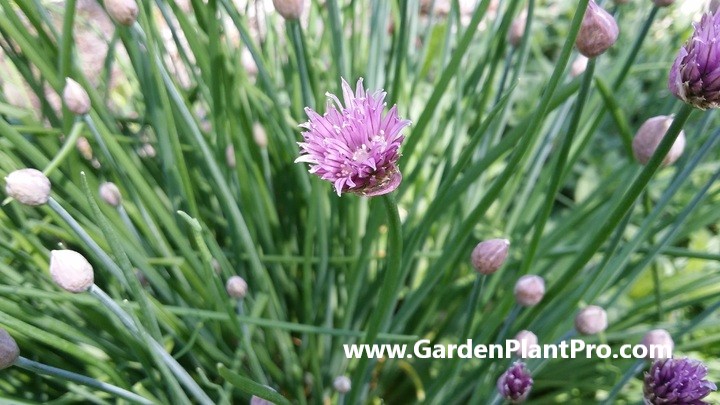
(620, 210)
(46, 370)
(629, 374)
(453, 366)
(555, 179)
(295, 32)
(67, 147)
(388, 295)
(155, 347)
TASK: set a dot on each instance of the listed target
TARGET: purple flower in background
(354, 146)
(515, 384)
(695, 75)
(677, 381)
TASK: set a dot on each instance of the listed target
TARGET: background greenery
(504, 143)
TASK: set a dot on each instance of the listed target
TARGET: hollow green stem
(388, 296)
(46, 370)
(66, 148)
(169, 361)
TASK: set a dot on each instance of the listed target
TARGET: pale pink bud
(529, 290)
(598, 31)
(591, 320)
(489, 255)
(526, 339)
(28, 186)
(517, 29)
(110, 193)
(342, 384)
(71, 271)
(9, 350)
(124, 12)
(83, 146)
(75, 97)
(649, 136)
(230, 156)
(289, 9)
(236, 287)
(658, 338)
(259, 135)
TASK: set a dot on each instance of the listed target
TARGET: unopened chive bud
(236, 287)
(230, 156)
(259, 135)
(124, 12)
(147, 151)
(342, 384)
(28, 186)
(649, 136)
(517, 29)
(529, 290)
(71, 271)
(489, 255)
(591, 320)
(663, 3)
(75, 97)
(289, 9)
(110, 193)
(515, 383)
(598, 31)
(9, 350)
(526, 339)
(660, 338)
(578, 66)
(83, 146)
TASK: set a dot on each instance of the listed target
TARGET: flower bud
(591, 320)
(9, 350)
(526, 339)
(110, 193)
(529, 290)
(124, 12)
(28, 186)
(75, 97)
(83, 146)
(71, 271)
(342, 384)
(598, 31)
(259, 136)
(515, 384)
(230, 156)
(517, 29)
(650, 135)
(578, 66)
(236, 287)
(489, 255)
(289, 9)
(658, 338)
(663, 3)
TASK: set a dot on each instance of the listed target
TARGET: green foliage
(195, 113)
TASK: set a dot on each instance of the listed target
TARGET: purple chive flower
(515, 384)
(677, 381)
(354, 146)
(695, 75)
